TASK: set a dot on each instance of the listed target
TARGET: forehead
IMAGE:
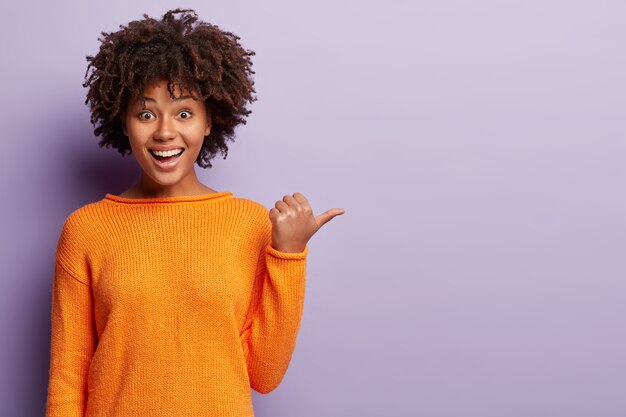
(157, 93)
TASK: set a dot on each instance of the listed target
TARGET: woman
(172, 298)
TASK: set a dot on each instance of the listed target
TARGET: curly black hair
(196, 56)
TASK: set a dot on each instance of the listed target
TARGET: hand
(293, 222)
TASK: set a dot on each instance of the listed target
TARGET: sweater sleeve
(278, 301)
(73, 337)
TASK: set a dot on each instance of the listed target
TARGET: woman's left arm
(270, 338)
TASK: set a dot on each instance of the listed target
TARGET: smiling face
(171, 125)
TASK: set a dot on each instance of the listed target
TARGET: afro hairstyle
(187, 52)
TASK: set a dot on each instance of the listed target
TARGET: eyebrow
(176, 99)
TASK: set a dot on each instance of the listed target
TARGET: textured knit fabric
(170, 306)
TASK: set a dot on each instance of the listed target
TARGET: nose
(165, 130)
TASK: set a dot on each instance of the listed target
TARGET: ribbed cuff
(286, 255)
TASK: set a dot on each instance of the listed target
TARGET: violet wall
(478, 148)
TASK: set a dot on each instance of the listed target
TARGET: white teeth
(167, 153)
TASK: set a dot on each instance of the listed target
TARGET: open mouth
(166, 159)
(167, 156)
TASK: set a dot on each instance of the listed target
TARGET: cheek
(136, 135)
(195, 137)
(137, 146)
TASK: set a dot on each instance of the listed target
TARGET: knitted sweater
(170, 306)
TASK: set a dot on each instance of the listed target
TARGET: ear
(209, 123)
(123, 120)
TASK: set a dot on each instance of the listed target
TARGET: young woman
(172, 298)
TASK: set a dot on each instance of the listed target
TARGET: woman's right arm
(73, 338)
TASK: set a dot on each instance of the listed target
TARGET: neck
(147, 188)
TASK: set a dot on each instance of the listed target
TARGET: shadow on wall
(91, 171)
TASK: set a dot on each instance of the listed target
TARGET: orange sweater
(171, 306)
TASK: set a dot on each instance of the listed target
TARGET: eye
(141, 115)
(188, 113)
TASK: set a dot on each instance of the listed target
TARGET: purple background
(477, 148)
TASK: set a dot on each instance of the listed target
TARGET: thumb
(328, 215)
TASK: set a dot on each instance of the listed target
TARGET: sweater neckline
(172, 199)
